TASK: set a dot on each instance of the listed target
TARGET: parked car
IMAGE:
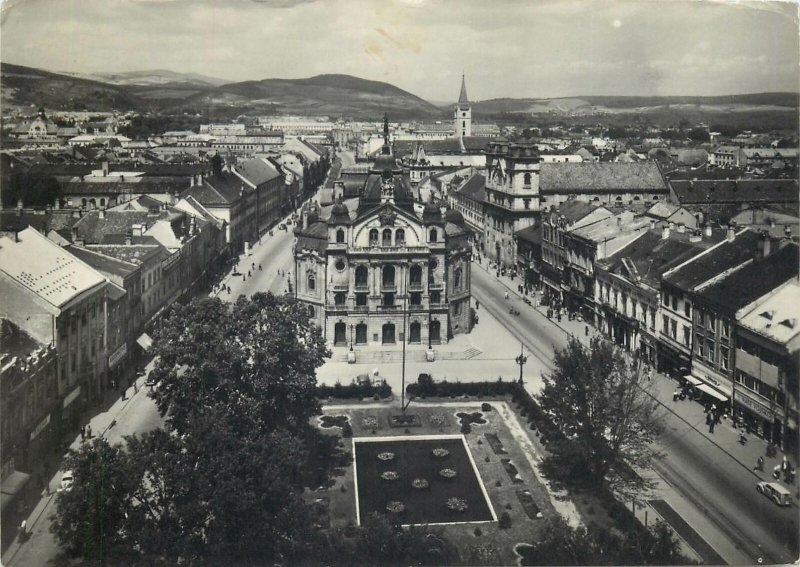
(66, 481)
(775, 492)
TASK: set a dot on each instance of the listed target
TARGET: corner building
(380, 269)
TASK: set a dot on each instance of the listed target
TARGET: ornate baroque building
(384, 269)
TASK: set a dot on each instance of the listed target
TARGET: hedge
(354, 391)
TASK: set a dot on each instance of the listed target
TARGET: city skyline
(627, 48)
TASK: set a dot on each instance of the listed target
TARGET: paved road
(137, 414)
(704, 471)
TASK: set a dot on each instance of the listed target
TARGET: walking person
(776, 472)
(89, 431)
(759, 465)
(83, 433)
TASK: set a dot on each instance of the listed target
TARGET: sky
(506, 48)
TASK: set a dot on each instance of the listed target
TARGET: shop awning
(713, 392)
(693, 380)
(145, 341)
(12, 485)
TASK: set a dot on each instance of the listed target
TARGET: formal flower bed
(440, 453)
(386, 456)
(370, 422)
(437, 420)
(395, 507)
(447, 473)
(457, 504)
(328, 421)
(390, 475)
(420, 483)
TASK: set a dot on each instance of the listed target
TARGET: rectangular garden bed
(404, 476)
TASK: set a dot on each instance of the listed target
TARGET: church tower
(463, 113)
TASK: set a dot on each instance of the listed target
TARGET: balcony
(377, 249)
(360, 309)
(383, 307)
(340, 287)
(415, 286)
(436, 286)
(362, 286)
(419, 307)
(336, 308)
(389, 287)
(440, 305)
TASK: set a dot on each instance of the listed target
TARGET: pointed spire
(386, 150)
(462, 98)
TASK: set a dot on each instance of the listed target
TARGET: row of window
(388, 274)
(757, 386)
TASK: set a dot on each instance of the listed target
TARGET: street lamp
(521, 360)
(351, 337)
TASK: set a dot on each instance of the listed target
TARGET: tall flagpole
(403, 371)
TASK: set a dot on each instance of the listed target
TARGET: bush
(486, 407)
(478, 532)
(505, 521)
(347, 430)
(498, 483)
(487, 459)
(466, 429)
(354, 391)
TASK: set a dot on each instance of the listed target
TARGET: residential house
(467, 199)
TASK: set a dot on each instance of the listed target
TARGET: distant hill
(166, 91)
(27, 86)
(639, 104)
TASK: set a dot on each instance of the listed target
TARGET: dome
(384, 162)
(431, 213)
(340, 214)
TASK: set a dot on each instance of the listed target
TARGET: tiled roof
(139, 187)
(257, 171)
(574, 210)
(473, 144)
(662, 210)
(222, 190)
(56, 276)
(762, 275)
(106, 265)
(738, 191)
(15, 341)
(598, 177)
(133, 253)
(715, 261)
(474, 188)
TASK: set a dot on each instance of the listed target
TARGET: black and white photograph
(344, 283)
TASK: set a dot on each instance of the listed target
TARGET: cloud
(283, 3)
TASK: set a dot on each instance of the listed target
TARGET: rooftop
(738, 191)
(602, 176)
(775, 315)
(56, 276)
(106, 265)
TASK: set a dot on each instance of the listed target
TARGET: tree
(90, 516)
(257, 357)
(601, 405)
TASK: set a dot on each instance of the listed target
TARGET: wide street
(136, 414)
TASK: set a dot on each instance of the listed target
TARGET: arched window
(386, 239)
(434, 235)
(373, 237)
(84, 202)
(340, 236)
(457, 277)
(311, 312)
(312, 282)
(361, 275)
(92, 204)
(400, 237)
(361, 334)
(527, 179)
(102, 202)
(339, 298)
(619, 199)
(414, 332)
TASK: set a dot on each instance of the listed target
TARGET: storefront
(672, 361)
(761, 417)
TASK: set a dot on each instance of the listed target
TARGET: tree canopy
(600, 403)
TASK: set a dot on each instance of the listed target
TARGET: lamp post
(521, 360)
(351, 337)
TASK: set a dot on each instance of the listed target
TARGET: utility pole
(521, 360)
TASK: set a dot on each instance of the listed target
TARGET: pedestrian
(587, 330)
(253, 265)
(248, 273)
(89, 431)
(259, 267)
(83, 433)
(477, 305)
(759, 464)
(776, 472)
(229, 290)
(505, 295)
(23, 529)
(113, 384)
(711, 427)
(785, 464)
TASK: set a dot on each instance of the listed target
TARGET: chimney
(731, 233)
(199, 179)
(191, 181)
(76, 214)
(766, 244)
(708, 231)
(787, 231)
(192, 227)
(74, 234)
(103, 213)
(672, 226)
(681, 228)
(105, 168)
(128, 238)
(652, 224)
(57, 204)
(772, 223)
(665, 232)
(305, 219)
(619, 222)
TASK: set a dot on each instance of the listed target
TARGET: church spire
(462, 98)
(386, 150)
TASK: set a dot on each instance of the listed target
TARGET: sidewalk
(100, 424)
